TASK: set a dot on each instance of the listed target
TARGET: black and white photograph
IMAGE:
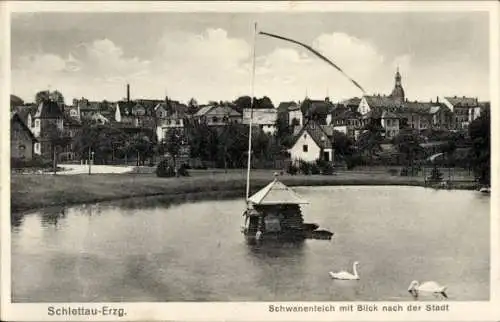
(304, 157)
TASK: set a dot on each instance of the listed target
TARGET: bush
(327, 169)
(292, 169)
(36, 162)
(183, 171)
(164, 169)
(315, 169)
(305, 168)
(436, 175)
(393, 172)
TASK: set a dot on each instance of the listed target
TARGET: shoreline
(35, 192)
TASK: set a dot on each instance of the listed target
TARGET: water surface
(148, 250)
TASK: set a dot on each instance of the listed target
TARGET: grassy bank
(39, 191)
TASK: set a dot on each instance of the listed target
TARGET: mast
(251, 116)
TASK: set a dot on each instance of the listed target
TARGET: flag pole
(251, 116)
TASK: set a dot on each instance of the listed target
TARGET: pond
(149, 250)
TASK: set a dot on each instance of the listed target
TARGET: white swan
(430, 287)
(343, 275)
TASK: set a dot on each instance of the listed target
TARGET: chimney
(437, 99)
(128, 92)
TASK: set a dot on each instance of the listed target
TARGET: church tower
(398, 93)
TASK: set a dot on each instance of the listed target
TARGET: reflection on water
(151, 249)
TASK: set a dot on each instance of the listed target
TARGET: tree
(55, 135)
(104, 141)
(192, 106)
(56, 96)
(343, 144)
(42, 96)
(408, 144)
(370, 139)
(479, 132)
(243, 102)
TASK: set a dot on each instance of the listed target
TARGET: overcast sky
(208, 56)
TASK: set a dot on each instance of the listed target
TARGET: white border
(249, 311)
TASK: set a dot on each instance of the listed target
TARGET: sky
(208, 56)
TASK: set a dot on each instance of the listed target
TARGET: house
(170, 115)
(48, 117)
(218, 115)
(71, 128)
(347, 121)
(311, 143)
(290, 112)
(22, 140)
(390, 123)
(265, 119)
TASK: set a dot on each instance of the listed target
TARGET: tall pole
(89, 162)
(251, 115)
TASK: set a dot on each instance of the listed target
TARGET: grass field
(39, 191)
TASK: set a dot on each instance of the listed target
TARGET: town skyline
(208, 56)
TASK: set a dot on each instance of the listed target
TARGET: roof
(320, 134)
(276, 193)
(204, 110)
(222, 110)
(462, 101)
(15, 100)
(351, 101)
(261, 116)
(14, 117)
(48, 109)
(381, 101)
(389, 115)
(25, 110)
(317, 107)
(287, 106)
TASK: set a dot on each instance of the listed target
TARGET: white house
(312, 142)
(264, 118)
(390, 123)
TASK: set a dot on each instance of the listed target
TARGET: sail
(276, 193)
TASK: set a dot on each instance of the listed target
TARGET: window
(305, 148)
(214, 119)
(326, 156)
(37, 123)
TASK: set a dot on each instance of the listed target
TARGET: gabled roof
(48, 109)
(276, 193)
(320, 134)
(14, 117)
